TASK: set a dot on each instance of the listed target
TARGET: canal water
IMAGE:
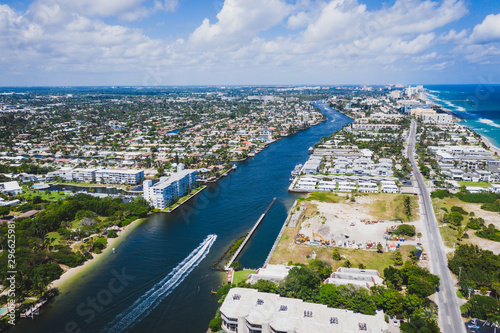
(158, 279)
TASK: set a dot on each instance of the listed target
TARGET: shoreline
(488, 142)
(484, 138)
(72, 273)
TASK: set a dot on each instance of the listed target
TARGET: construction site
(344, 224)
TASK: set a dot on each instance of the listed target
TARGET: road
(450, 320)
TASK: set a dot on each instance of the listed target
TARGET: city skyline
(234, 42)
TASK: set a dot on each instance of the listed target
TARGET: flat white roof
(286, 314)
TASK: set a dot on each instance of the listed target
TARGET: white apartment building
(388, 186)
(436, 118)
(103, 176)
(119, 176)
(163, 193)
(367, 187)
(11, 188)
(347, 187)
(249, 311)
(307, 183)
(326, 185)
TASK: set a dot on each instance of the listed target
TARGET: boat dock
(33, 310)
(237, 253)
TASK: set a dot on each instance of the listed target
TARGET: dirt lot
(332, 220)
(335, 221)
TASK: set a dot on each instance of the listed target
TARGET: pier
(237, 253)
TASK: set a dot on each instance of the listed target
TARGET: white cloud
(49, 11)
(325, 35)
(487, 31)
(453, 36)
(417, 45)
(300, 20)
(240, 21)
(425, 57)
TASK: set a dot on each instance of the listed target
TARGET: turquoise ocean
(478, 105)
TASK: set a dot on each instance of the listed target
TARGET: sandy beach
(74, 272)
(487, 142)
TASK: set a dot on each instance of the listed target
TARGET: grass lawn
(54, 235)
(184, 198)
(52, 196)
(479, 184)
(322, 197)
(448, 235)
(240, 276)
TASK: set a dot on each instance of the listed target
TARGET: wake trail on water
(152, 298)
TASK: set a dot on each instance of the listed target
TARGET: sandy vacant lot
(337, 220)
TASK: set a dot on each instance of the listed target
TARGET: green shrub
(441, 194)
(478, 197)
(459, 210)
(405, 230)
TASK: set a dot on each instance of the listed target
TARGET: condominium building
(119, 176)
(164, 192)
(250, 311)
(103, 176)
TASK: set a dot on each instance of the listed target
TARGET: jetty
(237, 253)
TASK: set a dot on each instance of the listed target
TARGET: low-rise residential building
(388, 186)
(365, 278)
(11, 188)
(273, 273)
(164, 192)
(250, 311)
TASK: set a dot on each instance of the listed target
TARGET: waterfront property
(164, 192)
(248, 310)
(274, 273)
(103, 176)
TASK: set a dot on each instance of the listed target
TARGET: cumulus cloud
(241, 20)
(251, 36)
(453, 36)
(487, 31)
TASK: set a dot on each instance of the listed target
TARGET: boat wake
(153, 297)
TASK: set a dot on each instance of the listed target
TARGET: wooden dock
(237, 253)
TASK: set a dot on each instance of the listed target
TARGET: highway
(450, 320)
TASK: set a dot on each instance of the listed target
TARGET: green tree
(4, 210)
(215, 324)
(44, 274)
(321, 267)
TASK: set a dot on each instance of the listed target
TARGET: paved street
(450, 320)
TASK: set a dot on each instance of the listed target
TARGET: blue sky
(224, 42)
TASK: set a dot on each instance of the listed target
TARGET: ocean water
(478, 105)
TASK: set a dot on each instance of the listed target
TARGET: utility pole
(459, 273)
